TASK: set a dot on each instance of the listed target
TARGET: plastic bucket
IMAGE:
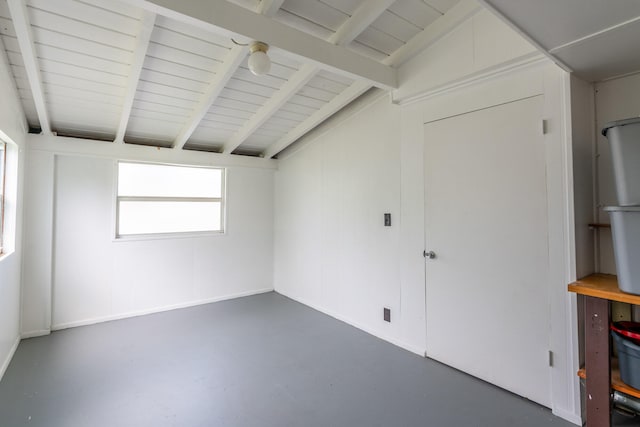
(625, 227)
(624, 138)
(629, 359)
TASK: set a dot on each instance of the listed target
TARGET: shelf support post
(597, 361)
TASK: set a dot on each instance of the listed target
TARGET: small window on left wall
(3, 169)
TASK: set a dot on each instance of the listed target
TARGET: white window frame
(3, 180)
(176, 234)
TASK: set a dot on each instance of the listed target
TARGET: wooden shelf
(616, 382)
(603, 286)
(599, 225)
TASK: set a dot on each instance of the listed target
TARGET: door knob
(430, 254)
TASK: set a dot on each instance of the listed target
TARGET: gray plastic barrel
(624, 137)
(625, 227)
(629, 359)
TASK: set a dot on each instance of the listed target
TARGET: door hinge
(543, 127)
(550, 358)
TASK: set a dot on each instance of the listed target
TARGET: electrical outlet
(387, 314)
(387, 220)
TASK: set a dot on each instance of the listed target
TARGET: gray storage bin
(625, 227)
(629, 359)
(624, 137)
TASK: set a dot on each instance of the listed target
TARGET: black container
(629, 359)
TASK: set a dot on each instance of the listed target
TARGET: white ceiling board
(122, 39)
(192, 32)
(380, 41)
(83, 12)
(346, 6)
(116, 6)
(395, 26)
(82, 73)
(155, 98)
(53, 89)
(441, 6)
(162, 108)
(415, 12)
(75, 44)
(176, 40)
(176, 69)
(610, 54)
(162, 130)
(316, 12)
(54, 53)
(294, 21)
(229, 112)
(553, 23)
(325, 84)
(172, 80)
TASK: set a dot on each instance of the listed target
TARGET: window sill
(167, 236)
(5, 256)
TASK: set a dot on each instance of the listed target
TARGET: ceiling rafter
(269, 108)
(232, 62)
(439, 28)
(349, 94)
(269, 7)
(20, 18)
(364, 16)
(235, 20)
(229, 67)
(142, 45)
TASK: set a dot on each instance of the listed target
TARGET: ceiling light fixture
(259, 62)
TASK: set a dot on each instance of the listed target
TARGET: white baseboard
(413, 349)
(7, 360)
(569, 416)
(33, 334)
(137, 313)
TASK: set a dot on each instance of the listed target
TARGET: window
(3, 168)
(158, 199)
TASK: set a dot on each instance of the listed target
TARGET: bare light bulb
(259, 62)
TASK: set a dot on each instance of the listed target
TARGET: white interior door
(486, 220)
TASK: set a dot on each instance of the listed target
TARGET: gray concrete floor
(261, 361)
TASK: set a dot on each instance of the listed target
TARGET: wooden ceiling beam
(290, 88)
(233, 20)
(137, 61)
(269, 7)
(363, 16)
(22, 25)
(349, 94)
(434, 32)
(232, 62)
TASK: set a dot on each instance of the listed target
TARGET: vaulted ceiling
(168, 74)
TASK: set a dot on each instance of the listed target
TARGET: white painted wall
(615, 99)
(13, 126)
(332, 251)
(72, 258)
